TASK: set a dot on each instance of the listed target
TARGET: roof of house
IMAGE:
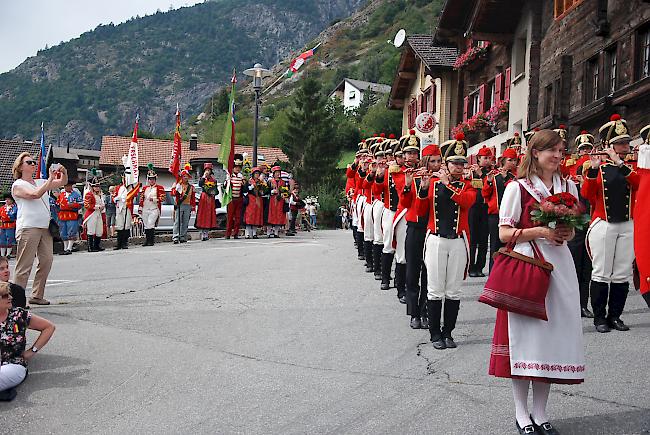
(9, 150)
(363, 86)
(73, 153)
(481, 19)
(430, 54)
(158, 151)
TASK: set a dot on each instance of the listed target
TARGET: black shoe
(618, 325)
(360, 257)
(235, 237)
(424, 322)
(288, 234)
(369, 269)
(385, 286)
(473, 274)
(480, 274)
(450, 343)
(415, 323)
(377, 276)
(545, 428)
(584, 312)
(176, 242)
(118, 247)
(8, 395)
(255, 236)
(439, 343)
(603, 327)
(402, 299)
(527, 430)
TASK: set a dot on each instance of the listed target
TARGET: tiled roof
(9, 150)
(73, 154)
(378, 88)
(430, 54)
(158, 151)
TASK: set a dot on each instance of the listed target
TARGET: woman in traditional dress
(254, 214)
(277, 216)
(206, 215)
(526, 349)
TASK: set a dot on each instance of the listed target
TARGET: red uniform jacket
(89, 204)
(492, 191)
(448, 206)
(351, 183)
(611, 190)
(68, 211)
(407, 201)
(8, 216)
(367, 185)
(179, 197)
(641, 227)
(160, 192)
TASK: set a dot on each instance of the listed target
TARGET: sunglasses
(5, 296)
(30, 162)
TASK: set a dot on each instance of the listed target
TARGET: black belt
(451, 236)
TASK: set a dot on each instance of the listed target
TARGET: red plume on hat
(392, 136)
(615, 117)
(562, 126)
(516, 134)
(584, 132)
(411, 131)
(536, 129)
(382, 135)
(460, 136)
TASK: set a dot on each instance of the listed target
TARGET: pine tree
(310, 141)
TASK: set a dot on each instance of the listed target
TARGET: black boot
(125, 239)
(90, 241)
(472, 261)
(400, 282)
(376, 260)
(450, 315)
(367, 247)
(599, 293)
(360, 248)
(434, 308)
(118, 241)
(617, 296)
(646, 298)
(481, 256)
(386, 266)
(98, 246)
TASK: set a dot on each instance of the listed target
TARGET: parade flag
(175, 161)
(298, 62)
(133, 152)
(42, 167)
(227, 150)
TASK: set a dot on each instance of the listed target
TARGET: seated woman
(17, 292)
(14, 323)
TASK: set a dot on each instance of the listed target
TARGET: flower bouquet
(560, 209)
(210, 187)
(284, 191)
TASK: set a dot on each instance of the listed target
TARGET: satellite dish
(399, 39)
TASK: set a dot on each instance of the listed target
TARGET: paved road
(286, 336)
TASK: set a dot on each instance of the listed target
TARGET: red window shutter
(481, 98)
(498, 88)
(465, 108)
(506, 93)
(432, 105)
(419, 108)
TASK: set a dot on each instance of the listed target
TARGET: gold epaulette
(569, 162)
(393, 169)
(477, 183)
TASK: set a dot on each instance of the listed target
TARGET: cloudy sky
(29, 25)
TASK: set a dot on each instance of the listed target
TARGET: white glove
(179, 188)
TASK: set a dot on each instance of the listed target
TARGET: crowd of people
(439, 218)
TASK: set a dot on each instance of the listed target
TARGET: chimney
(194, 142)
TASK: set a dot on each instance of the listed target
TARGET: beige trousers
(34, 243)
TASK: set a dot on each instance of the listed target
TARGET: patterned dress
(12, 336)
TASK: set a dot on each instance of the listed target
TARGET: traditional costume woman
(277, 217)
(206, 215)
(254, 213)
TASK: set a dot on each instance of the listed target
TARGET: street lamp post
(258, 73)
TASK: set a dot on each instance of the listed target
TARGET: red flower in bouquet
(562, 208)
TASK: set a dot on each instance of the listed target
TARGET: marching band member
(611, 187)
(8, 215)
(493, 187)
(151, 200)
(360, 168)
(126, 193)
(447, 197)
(277, 217)
(69, 202)
(642, 216)
(478, 215)
(206, 213)
(585, 146)
(184, 205)
(95, 215)
(235, 206)
(398, 244)
(378, 206)
(568, 160)
(368, 224)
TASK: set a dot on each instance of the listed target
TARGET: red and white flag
(133, 153)
(175, 161)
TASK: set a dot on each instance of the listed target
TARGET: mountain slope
(94, 85)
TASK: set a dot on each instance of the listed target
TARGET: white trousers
(150, 217)
(400, 238)
(95, 225)
(612, 250)
(446, 260)
(11, 375)
(353, 214)
(123, 219)
(377, 216)
(358, 210)
(368, 226)
(387, 230)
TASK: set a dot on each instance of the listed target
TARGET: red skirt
(500, 355)
(277, 216)
(254, 214)
(206, 215)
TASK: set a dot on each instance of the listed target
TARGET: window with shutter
(465, 108)
(506, 85)
(498, 88)
(481, 99)
(432, 105)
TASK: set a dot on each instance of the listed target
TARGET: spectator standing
(185, 203)
(69, 202)
(312, 208)
(32, 225)
(8, 214)
(110, 211)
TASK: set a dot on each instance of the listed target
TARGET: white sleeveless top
(32, 213)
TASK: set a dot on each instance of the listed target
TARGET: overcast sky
(29, 25)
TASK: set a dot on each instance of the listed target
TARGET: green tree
(369, 100)
(310, 144)
(380, 119)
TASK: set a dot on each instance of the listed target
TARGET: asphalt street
(286, 336)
